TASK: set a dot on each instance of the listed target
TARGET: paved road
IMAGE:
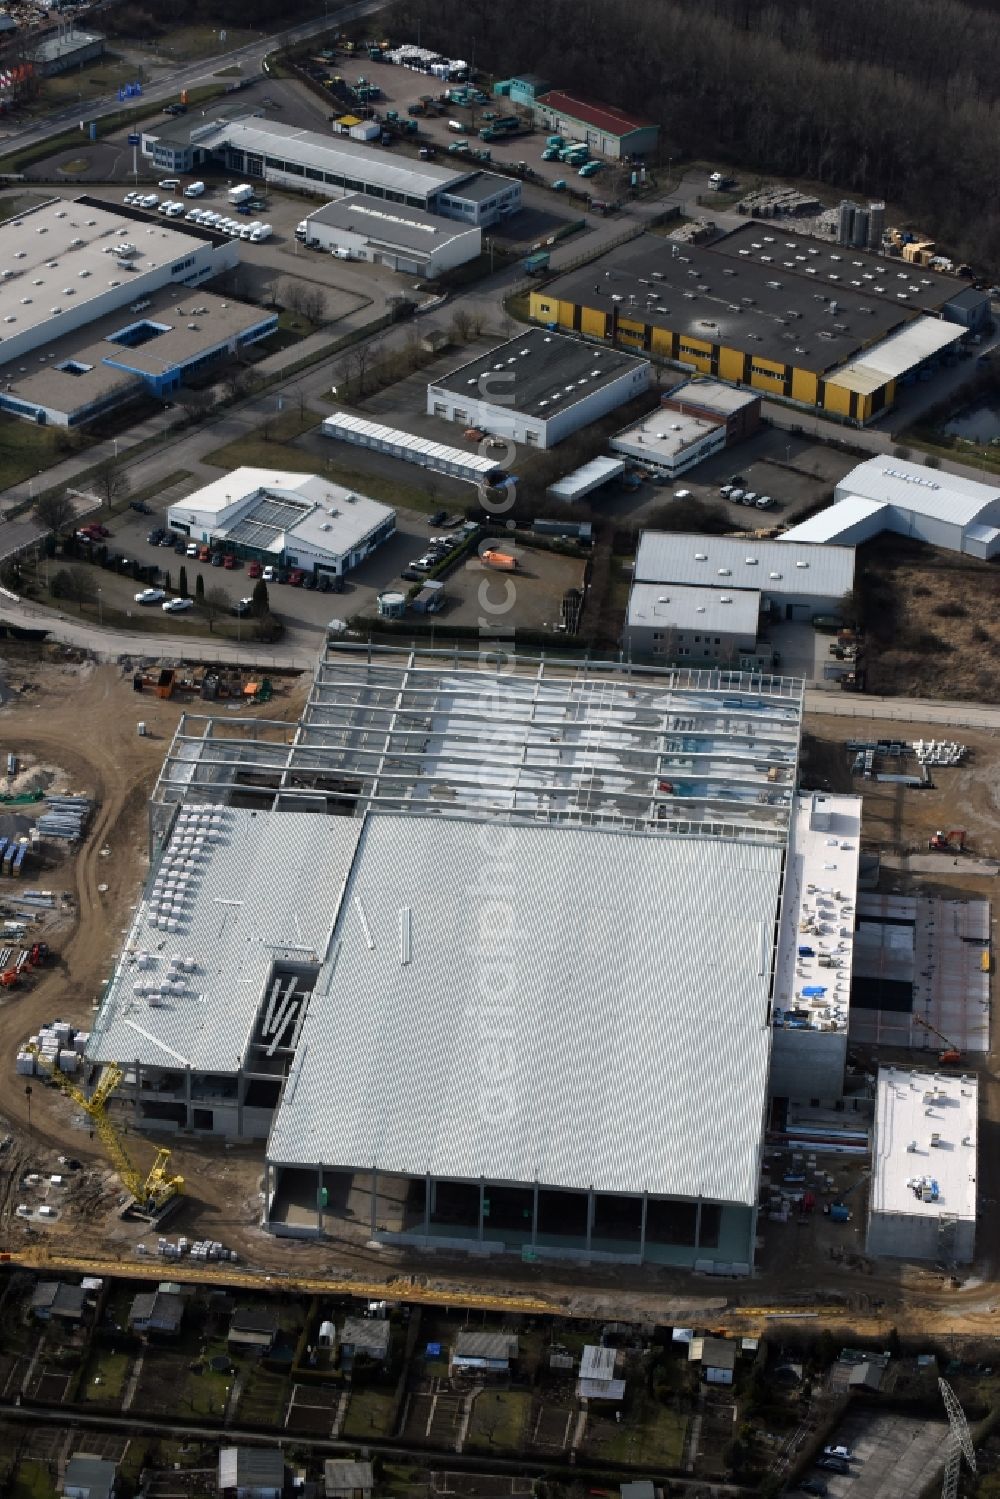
(926, 712)
(250, 57)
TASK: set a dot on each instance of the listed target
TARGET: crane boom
(151, 1192)
(951, 1052)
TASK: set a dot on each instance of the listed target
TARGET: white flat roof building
(794, 582)
(297, 520)
(671, 441)
(902, 351)
(705, 624)
(923, 1195)
(404, 239)
(890, 494)
(812, 988)
(72, 260)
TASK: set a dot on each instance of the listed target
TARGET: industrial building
(460, 463)
(890, 494)
(154, 346)
(703, 624)
(923, 1195)
(288, 520)
(694, 420)
(607, 130)
(306, 961)
(538, 388)
(524, 89)
(794, 582)
(814, 968)
(71, 261)
(285, 156)
(762, 307)
(407, 240)
(66, 47)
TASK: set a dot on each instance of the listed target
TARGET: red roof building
(607, 130)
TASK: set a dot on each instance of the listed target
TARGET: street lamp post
(27, 1097)
(100, 609)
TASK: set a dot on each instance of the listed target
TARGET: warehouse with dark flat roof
(786, 315)
(538, 388)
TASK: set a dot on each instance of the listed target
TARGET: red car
(254, 570)
(295, 577)
(229, 561)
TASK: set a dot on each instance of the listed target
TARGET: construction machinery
(151, 1193)
(959, 1442)
(952, 842)
(951, 1052)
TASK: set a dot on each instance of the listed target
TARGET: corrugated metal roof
(261, 883)
(499, 1048)
(597, 1362)
(338, 155)
(833, 524)
(582, 480)
(373, 434)
(672, 606)
(251, 1468)
(475, 1343)
(894, 356)
(928, 491)
(606, 117)
(340, 1473)
(687, 557)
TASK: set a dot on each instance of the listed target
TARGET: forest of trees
(895, 99)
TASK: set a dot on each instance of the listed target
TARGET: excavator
(951, 1052)
(952, 842)
(151, 1193)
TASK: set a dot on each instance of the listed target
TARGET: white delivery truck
(242, 193)
(194, 190)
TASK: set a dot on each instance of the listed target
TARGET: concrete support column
(241, 1089)
(434, 1194)
(374, 1192)
(187, 1097)
(590, 1216)
(319, 1196)
(482, 1205)
(534, 1217)
(428, 1189)
(697, 1226)
(642, 1228)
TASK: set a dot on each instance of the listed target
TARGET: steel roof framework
(543, 741)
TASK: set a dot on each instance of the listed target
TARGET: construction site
(184, 1095)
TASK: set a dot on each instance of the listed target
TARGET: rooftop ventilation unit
(802, 564)
(774, 575)
(701, 556)
(725, 572)
(750, 561)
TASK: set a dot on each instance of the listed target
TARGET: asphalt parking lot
(894, 1456)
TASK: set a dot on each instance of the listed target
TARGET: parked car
(177, 606)
(254, 570)
(764, 502)
(192, 549)
(204, 553)
(268, 574)
(156, 536)
(150, 596)
(736, 495)
(229, 562)
(323, 583)
(216, 559)
(169, 184)
(296, 577)
(309, 581)
(175, 109)
(839, 1451)
(242, 607)
(439, 517)
(682, 494)
(168, 539)
(750, 497)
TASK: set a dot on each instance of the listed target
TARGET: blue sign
(133, 140)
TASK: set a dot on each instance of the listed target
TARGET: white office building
(288, 520)
(538, 388)
(922, 1204)
(794, 582)
(711, 625)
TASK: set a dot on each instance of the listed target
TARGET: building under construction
(479, 953)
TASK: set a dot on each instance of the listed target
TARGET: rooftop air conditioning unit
(701, 556)
(725, 572)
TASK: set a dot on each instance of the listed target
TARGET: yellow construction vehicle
(152, 1192)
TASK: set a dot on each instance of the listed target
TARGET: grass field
(499, 1421)
(112, 1371)
(25, 450)
(105, 75)
(31, 1481)
(653, 1434)
(370, 1413)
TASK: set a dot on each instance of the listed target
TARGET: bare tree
(213, 605)
(313, 306)
(55, 511)
(461, 325)
(110, 483)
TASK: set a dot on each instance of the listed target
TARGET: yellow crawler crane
(152, 1192)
